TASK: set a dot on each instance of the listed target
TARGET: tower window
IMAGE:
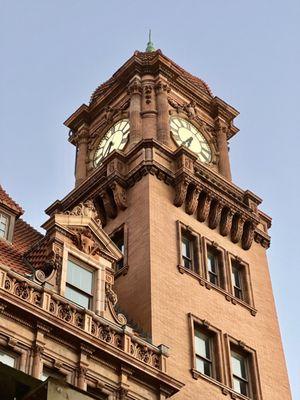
(4, 225)
(187, 252)
(203, 352)
(118, 237)
(237, 281)
(215, 266)
(240, 373)
(79, 285)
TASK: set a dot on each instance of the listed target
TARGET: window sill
(224, 389)
(123, 271)
(228, 296)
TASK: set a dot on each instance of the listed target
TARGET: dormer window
(79, 285)
(4, 225)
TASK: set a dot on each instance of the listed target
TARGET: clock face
(188, 135)
(114, 139)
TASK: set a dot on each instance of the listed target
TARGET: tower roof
(143, 62)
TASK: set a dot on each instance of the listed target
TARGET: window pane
(186, 247)
(238, 366)
(7, 359)
(203, 366)
(78, 298)
(202, 344)
(79, 277)
(240, 386)
(236, 277)
(212, 262)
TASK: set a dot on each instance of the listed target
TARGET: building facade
(152, 279)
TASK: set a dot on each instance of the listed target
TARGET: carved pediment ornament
(86, 242)
(85, 209)
(51, 265)
(111, 301)
(187, 108)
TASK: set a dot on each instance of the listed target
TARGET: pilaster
(135, 92)
(162, 89)
(221, 129)
(149, 111)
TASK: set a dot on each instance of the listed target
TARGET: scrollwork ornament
(180, 192)
(203, 206)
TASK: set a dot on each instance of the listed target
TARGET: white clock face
(114, 139)
(189, 136)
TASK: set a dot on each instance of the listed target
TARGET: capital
(134, 87)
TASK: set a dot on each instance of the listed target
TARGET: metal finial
(150, 47)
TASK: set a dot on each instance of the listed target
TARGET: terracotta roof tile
(37, 254)
(11, 254)
(6, 200)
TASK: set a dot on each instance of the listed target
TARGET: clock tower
(152, 156)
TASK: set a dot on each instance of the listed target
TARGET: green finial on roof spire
(150, 47)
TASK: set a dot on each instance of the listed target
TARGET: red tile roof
(11, 254)
(7, 201)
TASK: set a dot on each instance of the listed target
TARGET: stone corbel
(109, 205)
(226, 221)
(237, 228)
(248, 235)
(180, 192)
(203, 206)
(192, 200)
(120, 195)
(215, 214)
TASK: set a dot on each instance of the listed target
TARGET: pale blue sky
(54, 53)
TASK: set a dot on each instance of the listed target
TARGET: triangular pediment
(86, 234)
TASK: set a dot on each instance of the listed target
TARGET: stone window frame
(124, 269)
(57, 367)
(223, 271)
(247, 282)
(10, 225)
(201, 275)
(196, 238)
(88, 262)
(218, 363)
(240, 347)
(11, 347)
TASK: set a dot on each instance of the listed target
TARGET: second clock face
(114, 139)
(189, 136)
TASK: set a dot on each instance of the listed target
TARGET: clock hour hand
(187, 142)
(108, 149)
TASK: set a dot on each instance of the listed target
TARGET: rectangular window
(215, 266)
(187, 252)
(8, 359)
(4, 224)
(240, 374)
(203, 352)
(237, 281)
(48, 372)
(79, 285)
(118, 239)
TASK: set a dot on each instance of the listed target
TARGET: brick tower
(152, 155)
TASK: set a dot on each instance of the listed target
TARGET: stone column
(149, 112)
(37, 361)
(135, 92)
(82, 147)
(163, 126)
(221, 132)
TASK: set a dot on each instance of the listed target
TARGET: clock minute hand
(108, 149)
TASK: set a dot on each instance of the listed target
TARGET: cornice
(121, 170)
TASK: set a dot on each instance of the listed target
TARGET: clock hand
(108, 149)
(188, 142)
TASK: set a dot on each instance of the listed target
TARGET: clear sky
(54, 53)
